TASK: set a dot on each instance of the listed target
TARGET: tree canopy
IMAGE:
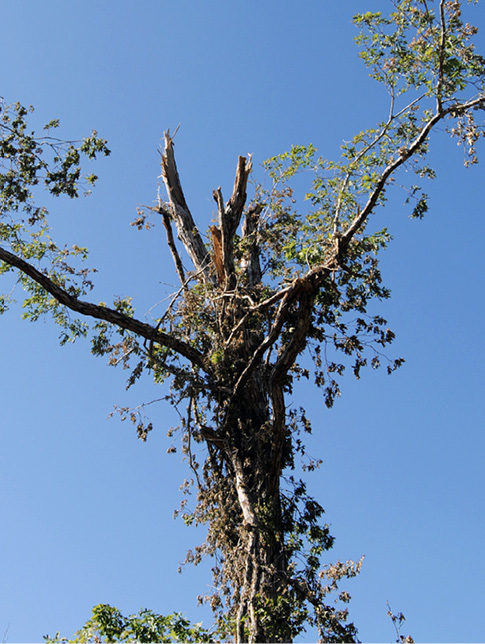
(107, 624)
(282, 288)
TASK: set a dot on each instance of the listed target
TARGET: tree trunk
(250, 429)
(254, 439)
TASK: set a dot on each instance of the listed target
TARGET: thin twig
(439, 86)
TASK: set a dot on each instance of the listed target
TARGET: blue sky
(86, 508)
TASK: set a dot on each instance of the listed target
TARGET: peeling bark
(230, 217)
(179, 211)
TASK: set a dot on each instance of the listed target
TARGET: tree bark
(188, 232)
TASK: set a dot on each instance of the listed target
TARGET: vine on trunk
(272, 296)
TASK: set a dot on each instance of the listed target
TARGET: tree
(275, 296)
(107, 624)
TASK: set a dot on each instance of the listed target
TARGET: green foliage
(27, 162)
(421, 46)
(316, 211)
(425, 50)
(107, 624)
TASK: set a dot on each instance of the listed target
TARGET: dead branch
(230, 216)
(180, 213)
(171, 244)
(216, 236)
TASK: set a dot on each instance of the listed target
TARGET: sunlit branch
(392, 117)
(439, 86)
(404, 155)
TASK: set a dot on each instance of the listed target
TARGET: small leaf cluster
(27, 160)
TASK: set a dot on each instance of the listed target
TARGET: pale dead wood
(179, 211)
(230, 217)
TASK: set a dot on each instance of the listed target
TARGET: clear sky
(86, 508)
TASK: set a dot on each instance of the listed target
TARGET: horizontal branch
(104, 313)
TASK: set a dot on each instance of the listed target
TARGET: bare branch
(166, 220)
(180, 213)
(230, 216)
(439, 86)
(173, 249)
(218, 254)
(236, 203)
